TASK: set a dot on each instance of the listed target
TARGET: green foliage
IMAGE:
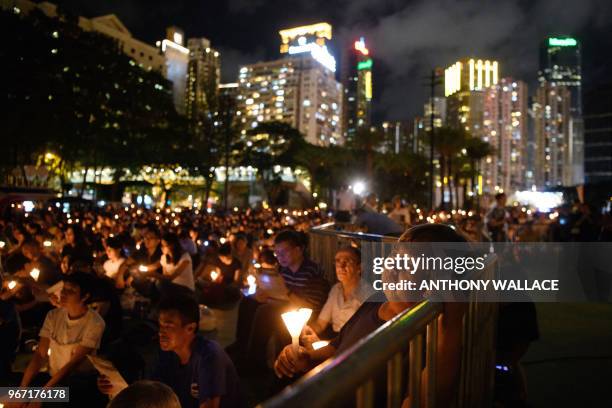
(74, 93)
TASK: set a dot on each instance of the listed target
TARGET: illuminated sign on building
(452, 79)
(319, 30)
(368, 85)
(319, 53)
(562, 42)
(365, 64)
(481, 74)
(167, 43)
(361, 47)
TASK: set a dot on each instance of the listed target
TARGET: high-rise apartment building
(299, 89)
(552, 121)
(357, 82)
(465, 86)
(176, 57)
(203, 77)
(505, 128)
(560, 66)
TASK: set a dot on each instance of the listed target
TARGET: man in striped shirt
(303, 277)
(260, 318)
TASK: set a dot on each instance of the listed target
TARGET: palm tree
(449, 143)
(476, 150)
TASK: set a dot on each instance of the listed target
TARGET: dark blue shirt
(362, 323)
(208, 374)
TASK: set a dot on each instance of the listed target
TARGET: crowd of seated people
(77, 282)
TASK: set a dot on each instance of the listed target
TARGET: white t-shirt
(66, 334)
(400, 215)
(338, 311)
(185, 278)
(346, 201)
(111, 268)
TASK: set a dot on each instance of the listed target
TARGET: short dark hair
(432, 233)
(225, 249)
(146, 394)
(499, 195)
(351, 250)
(294, 238)
(175, 246)
(186, 306)
(85, 281)
(113, 242)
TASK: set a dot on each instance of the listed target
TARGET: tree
(449, 143)
(477, 150)
(267, 146)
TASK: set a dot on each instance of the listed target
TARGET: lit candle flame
(214, 275)
(143, 268)
(319, 344)
(12, 285)
(2, 244)
(47, 243)
(35, 273)
(295, 322)
(251, 280)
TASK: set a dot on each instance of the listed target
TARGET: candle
(35, 273)
(295, 322)
(12, 285)
(251, 280)
(137, 247)
(143, 268)
(47, 243)
(319, 344)
(2, 244)
(214, 275)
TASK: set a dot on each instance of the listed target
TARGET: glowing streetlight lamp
(359, 187)
(295, 322)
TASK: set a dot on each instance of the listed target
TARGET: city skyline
(399, 34)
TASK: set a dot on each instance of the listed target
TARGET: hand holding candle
(251, 280)
(35, 273)
(295, 322)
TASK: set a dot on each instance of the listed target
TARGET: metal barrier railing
(351, 372)
(324, 242)
(354, 371)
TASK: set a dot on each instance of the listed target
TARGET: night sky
(407, 38)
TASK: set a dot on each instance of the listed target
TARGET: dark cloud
(232, 59)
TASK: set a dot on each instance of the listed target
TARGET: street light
(359, 187)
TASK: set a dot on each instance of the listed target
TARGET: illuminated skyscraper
(505, 128)
(299, 89)
(203, 76)
(357, 82)
(465, 83)
(560, 66)
(176, 60)
(552, 121)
